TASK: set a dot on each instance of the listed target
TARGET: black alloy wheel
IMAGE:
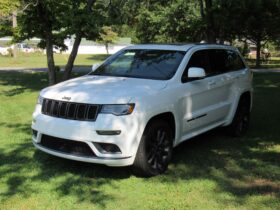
(155, 150)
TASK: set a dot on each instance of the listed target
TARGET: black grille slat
(44, 106)
(67, 146)
(55, 107)
(70, 110)
(62, 109)
(92, 111)
(81, 111)
(49, 107)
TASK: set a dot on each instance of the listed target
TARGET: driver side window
(199, 59)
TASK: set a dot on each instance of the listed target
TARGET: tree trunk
(50, 60)
(72, 57)
(221, 36)
(258, 58)
(210, 22)
(74, 52)
(14, 26)
(201, 7)
(107, 48)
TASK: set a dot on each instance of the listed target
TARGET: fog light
(107, 148)
(109, 133)
(34, 133)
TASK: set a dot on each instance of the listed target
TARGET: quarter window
(233, 61)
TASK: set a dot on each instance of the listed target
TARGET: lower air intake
(67, 146)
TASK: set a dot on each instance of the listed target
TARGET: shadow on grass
(239, 166)
(23, 167)
(22, 82)
(243, 166)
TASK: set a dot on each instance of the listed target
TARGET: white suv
(143, 101)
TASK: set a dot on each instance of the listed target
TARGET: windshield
(147, 64)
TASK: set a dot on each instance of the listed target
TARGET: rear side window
(224, 61)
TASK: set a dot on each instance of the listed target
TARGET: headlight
(40, 100)
(117, 109)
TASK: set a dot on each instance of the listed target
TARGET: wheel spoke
(151, 157)
(162, 137)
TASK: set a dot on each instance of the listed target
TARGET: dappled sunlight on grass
(212, 171)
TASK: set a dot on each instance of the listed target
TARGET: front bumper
(106, 161)
(81, 131)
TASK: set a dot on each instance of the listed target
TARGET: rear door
(235, 68)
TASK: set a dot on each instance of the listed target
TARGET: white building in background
(90, 47)
(86, 46)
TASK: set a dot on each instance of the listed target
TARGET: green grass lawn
(39, 60)
(273, 62)
(212, 171)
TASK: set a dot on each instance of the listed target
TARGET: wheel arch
(168, 117)
(247, 96)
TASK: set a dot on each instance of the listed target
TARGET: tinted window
(215, 61)
(218, 61)
(200, 59)
(233, 61)
(224, 61)
(148, 64)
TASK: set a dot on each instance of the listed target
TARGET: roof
(179, 47)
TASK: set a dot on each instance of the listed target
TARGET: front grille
(67, 146)
(70, 110)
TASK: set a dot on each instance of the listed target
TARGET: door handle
(211, 83)
(238, 76)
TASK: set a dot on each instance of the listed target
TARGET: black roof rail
(183, 44)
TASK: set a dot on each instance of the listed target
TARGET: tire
(154, 151)
(241, 121)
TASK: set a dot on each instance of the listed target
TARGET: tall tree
(44, 21)
(208, 17)
(54, 21)
(107, 36)
(82, 22)
(8, 19)
(261, 22)
(254, 20)
(178, 21)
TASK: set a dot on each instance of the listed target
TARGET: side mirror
(95, 66)
(196, 73)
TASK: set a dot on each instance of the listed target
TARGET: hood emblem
(66, 98)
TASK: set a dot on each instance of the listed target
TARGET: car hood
(102, 89)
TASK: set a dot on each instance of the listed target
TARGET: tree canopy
(107, 36)
(144, 21)
(7, 7)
